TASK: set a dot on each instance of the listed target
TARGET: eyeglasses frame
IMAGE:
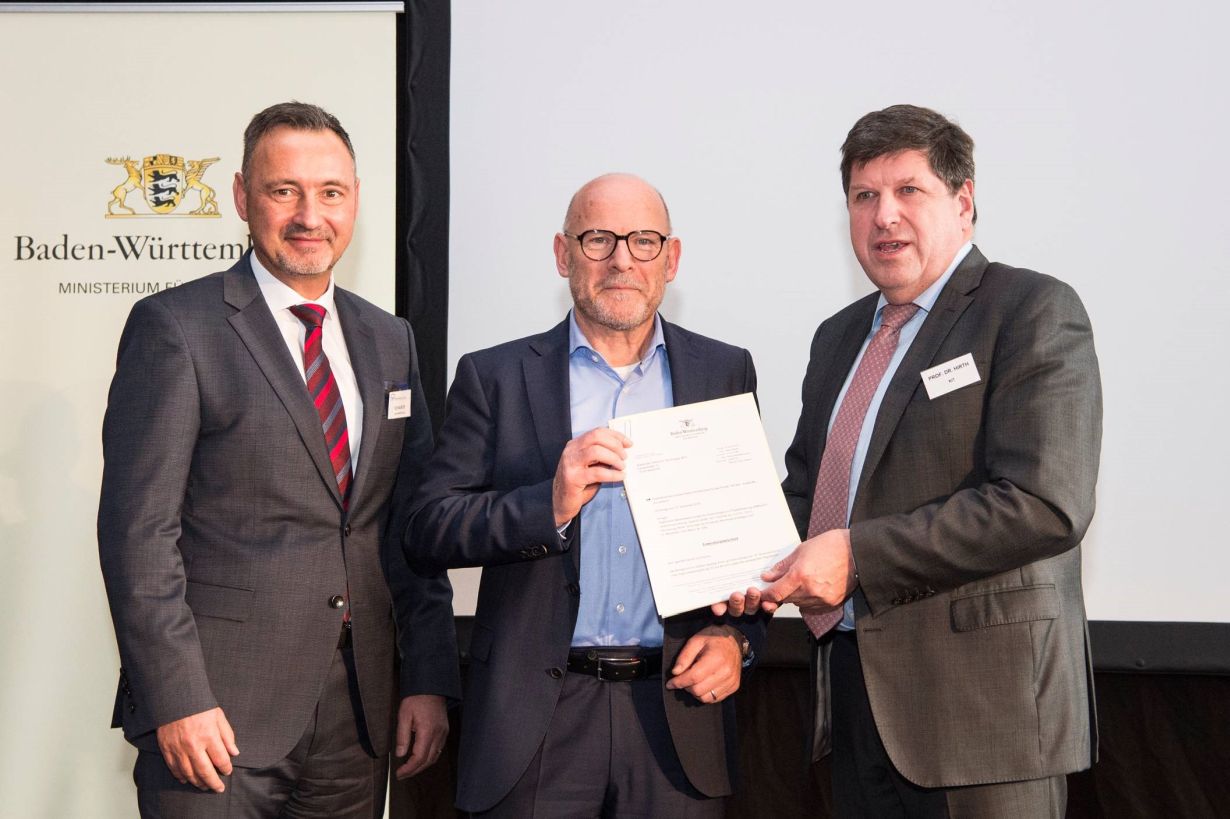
(664, 237)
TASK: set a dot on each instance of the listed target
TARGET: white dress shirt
(280, 299)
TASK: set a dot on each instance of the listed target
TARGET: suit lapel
(688, 381)
(259, 332)
(545, 369)
(546, 387)
(952, 302)
(367, 366)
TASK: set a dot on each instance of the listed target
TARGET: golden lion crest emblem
(165, 180)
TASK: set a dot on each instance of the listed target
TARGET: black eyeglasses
(598, 245)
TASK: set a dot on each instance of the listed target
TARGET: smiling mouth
(889, 247)
(306, 236)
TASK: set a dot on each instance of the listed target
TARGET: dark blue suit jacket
(486, 501)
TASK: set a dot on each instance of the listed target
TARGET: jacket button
(556, 673)
(337, 601)
(538, 551)
(346, 531)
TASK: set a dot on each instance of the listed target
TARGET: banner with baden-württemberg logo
(153, 188)
(122, 135)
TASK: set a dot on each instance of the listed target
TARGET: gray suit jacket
(486, 501)
(221, 531)
(966, 530)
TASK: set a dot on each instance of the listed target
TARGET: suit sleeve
(149, 434)
(461, 518)
(422, 603)
(1041, 429)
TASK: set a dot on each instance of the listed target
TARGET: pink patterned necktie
(322, 386)
(829, 504)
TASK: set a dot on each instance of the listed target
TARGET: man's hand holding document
(706, 499)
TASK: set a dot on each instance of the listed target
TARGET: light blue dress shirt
(617, 607)
(909, 331)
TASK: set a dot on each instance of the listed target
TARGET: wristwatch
(745, 648)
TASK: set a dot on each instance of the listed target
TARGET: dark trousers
(609, 754)
(866, 785)
(331, 772)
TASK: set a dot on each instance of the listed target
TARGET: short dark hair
(949, 150)
(301, 116)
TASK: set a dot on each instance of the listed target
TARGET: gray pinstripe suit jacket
(222, 535)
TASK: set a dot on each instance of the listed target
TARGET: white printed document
(706, 500)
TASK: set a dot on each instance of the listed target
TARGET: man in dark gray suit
(943, 476)
(580, 701)
(262, 428)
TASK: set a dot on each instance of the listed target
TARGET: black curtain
(423, 37)
(1164, 749)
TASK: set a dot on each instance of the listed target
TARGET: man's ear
(965, 198)
(561, 254)
(241, 196)
(674, 249)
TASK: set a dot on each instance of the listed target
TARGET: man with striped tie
(943, 476)
(262, 428)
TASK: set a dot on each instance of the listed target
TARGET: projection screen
(1100, 161)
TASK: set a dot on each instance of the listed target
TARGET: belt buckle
(622, 668)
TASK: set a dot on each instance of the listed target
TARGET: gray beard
(598, 313)
(306, 269)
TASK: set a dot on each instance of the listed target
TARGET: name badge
(951, 375)
(398, 404)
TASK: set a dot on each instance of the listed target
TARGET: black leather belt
(610, 666)
(343, 639)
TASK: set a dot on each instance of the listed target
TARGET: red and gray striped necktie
(829, 505)
(322, 386)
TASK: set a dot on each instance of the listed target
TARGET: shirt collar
(578, 341)
(926, 299)
(281, 297)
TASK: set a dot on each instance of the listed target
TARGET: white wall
(1100, 130)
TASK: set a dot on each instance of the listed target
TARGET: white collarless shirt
(280, 299)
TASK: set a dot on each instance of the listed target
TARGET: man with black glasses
(581, 702)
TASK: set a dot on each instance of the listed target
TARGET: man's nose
(308, 213)
(887, 212)
(622, 257)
